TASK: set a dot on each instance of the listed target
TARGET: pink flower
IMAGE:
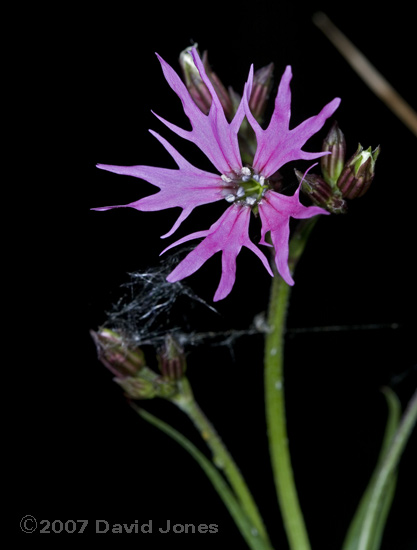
(244, 188)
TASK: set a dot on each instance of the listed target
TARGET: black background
(82, 453)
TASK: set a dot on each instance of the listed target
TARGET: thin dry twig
(369, 74)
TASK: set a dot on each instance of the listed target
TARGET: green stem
(275, 400)
(221, 457)
(386, 471)
(253, 539)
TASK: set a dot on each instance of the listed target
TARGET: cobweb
(151, 307)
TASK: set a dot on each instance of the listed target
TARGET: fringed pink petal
(227, 235)
(277, 144)
(275, 212)
(212, 133)
(185, 188)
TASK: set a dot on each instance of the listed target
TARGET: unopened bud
(358, 173)
(321, 193)
(171, 359)
(262, 84)
(115, 354)
(128, 366)
(198, 90)
(332, 165)
(195, 85)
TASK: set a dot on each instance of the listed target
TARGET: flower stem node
(137, 388)
(358, 173)
(147, 386)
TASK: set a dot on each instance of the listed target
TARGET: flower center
(245, 188)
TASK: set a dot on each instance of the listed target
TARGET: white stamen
(230, 198)
(240, 192)
(250, 200)
(245, 171)
(226, 179)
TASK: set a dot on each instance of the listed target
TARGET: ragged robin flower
(244, 189)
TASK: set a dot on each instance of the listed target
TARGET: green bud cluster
(339, 180)
(128, 364)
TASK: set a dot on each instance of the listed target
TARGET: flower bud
(262, 84)
(332, 165)
(322, 193)
(128, 366)
(195, 85)
(198, 90)
(358, 173)
(171, 359)
(114, 353)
